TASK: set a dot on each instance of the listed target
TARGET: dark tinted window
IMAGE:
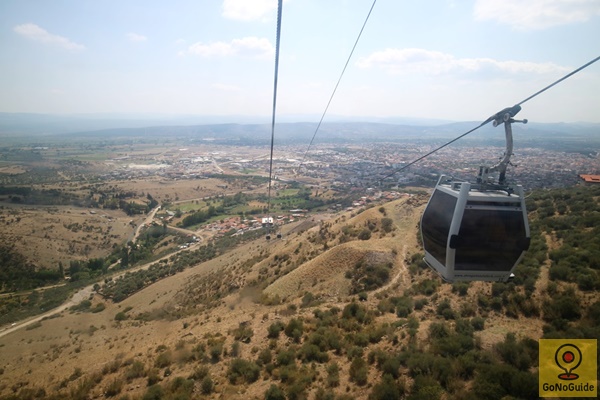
(490, 240)
(435, 224)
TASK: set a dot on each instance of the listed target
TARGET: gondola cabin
(267, 223)
(474, 234)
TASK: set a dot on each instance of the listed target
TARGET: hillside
(344, 309)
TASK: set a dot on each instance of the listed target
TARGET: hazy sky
(444, 59)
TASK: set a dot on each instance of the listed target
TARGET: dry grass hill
(321, 313)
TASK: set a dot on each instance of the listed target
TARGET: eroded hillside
(340, 308)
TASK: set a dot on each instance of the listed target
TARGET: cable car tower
(478, 231)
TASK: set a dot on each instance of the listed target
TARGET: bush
(478, 323)
(333, 375)
(426, 388)
(274, 393)
(311, 352)
(274, 329)
(154, 392)
(359, 371)
(387, 224)
(404, 306)
(207, 385)
(163, 360)
(420, 303)
(562, 306)
(244, 369)
(182, 388)
(136, 370)
(294, 329)
(114, 388)
(120, 316)
(286, 357)
(461, 288)
(365, 234)
(243, 333)
(444, 309)
(264, 357)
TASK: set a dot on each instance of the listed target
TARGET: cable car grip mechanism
(506, 117)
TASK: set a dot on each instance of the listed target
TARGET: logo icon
(568, 368)
(568, 357)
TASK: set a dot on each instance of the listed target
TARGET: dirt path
(146, 222)
(39, 289)
(402, 272)
(81, 295)
(77, 298)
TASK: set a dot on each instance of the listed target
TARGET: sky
(459, 60)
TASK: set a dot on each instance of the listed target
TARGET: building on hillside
(590, 178)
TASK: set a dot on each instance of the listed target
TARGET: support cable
(337, 84)
(278, 37)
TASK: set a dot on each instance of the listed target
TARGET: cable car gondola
(267, 223)
(477, 232)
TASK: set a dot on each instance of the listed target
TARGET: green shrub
(444, 309)
(386, 389)
(135, 370)
(311, 352)
(274, 329)
(286, 357)
(264, 357)
(565, 305)
(207, 385)
(154, 392)
(120, 316)
(478, 323)
(358, 372)
(387, 224)
(182, 388)
(404, 306)
(333, 375)
(294, 329)
(426, 388)
(164, 359)
(420, 303)
(274, 393)
(113, 388)
(243, 333)
(243, 369)
(461, 288)
(365, 234)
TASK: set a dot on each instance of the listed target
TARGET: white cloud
(248, 10)
(34, 32)
(421, 61)
(536, 14)
(248, 46)
(134, 37)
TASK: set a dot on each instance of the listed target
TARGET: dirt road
(77, 298)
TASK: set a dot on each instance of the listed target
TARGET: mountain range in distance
(243, 130)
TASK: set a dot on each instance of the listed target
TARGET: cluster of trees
(119, 201)
(201, 216)
(126, 285)
(17, 273)
(84, 270)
